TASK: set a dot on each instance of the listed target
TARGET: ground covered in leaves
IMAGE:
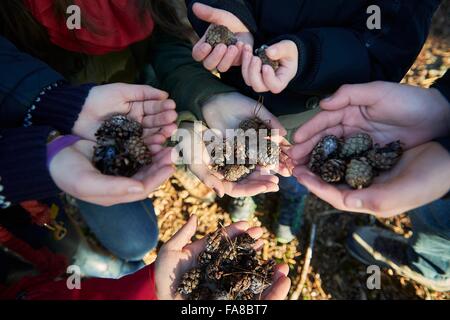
(332, 274)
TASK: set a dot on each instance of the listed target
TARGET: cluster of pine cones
(120, 149)
(220, 34)
(357, 160)
(228, 269)
(236, 158)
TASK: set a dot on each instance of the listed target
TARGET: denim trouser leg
(431, 240)
(129, 231)
(291, 188)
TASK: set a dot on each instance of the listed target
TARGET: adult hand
(142, 103)
(73, 172)
(387, 111)
(179, 255)
(263, 78)
(421, 176)
(221, 57)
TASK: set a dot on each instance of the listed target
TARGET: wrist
(58, 144)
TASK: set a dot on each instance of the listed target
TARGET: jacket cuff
(308, 54)
(58, 106)
(23, 165)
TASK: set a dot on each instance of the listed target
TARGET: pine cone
(244, 242)
(359, 174)
(190, 281)
(333, 171)
(113, 160)
(213, 241)
(120, 127)
(387, 157)
(220, 295)
(235, 173)
(139, 151)
(327, 148)
(220, 34)
(245, 296)
(241, 282)
(228, 252)
(255, 124)
(261, 53)
(356, 145)
(270, 156)
(259, 284)
(204, 258)
(201, 293)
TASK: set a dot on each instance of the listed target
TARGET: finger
(279, 51)
(255, 232)
(246, 60)
(238, 60)
(156, 107)
(227, 61)
(208, 14)
(158, 177)
(355, 95)
(244, 190)
(272, 82)
(161, 119)
(273, 122)
(321, 121)
(93, 183)
(201, 50)
(281, 270)
(279, 290)
(133, 92)
(213, 60)
(183, 236)
(255, 75)
(166, 130)
(156, 139)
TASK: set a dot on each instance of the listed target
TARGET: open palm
(178, 255)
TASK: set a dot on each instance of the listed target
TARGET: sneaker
(290, 219)
(242, 209)
(376, 246)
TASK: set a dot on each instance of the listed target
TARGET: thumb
(209, 14)
(367, 94)
(132, 92)
(183, 236)
(281, 50)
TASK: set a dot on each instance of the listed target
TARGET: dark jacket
(335, 45)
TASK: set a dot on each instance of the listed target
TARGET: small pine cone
(220, 34)
(228, 252)
(213, 270)
(244, 242)
(120, 127)
(235, 173)
(270, 156)
(259, 284)
(327, 147)
(112, 160)
(190, 281)
(333, 171)
(139, 151)
(261, 53)
(254, 123)
(241, 283)
(213, 241)
(204, 258)
(356, 145)
(267, 269)
(359, 174)
(387, 157)
(248, 260)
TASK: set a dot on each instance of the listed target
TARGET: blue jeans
(430, 244)
(129, 231)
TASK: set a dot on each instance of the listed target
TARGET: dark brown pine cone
(244, 242)
(221, 295)
(241, 282)
(190, 281)
(213, 270)
(254, 123)
(204, 258)
(356, 145)
(327, 148)
(270, 156)
(113, 160)
(261, 53)
(387, 157)
(228, 251)
(259, 284)
(333, 171)
(359, 174)
(245, 296)
(201, 293)
(120, 127)
(220, 34)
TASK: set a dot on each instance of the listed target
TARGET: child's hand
(263, 78)
(221, 57)
(179, 255)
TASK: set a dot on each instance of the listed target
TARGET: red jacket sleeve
(138, 286)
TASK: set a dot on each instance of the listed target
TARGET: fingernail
(136, 190)
(329, 98)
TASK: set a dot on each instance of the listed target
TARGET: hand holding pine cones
(355, 160)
